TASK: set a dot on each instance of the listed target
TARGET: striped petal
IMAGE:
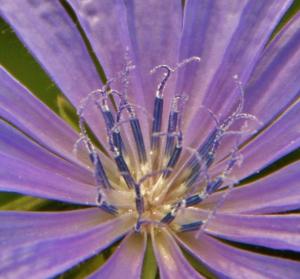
(19, 107)
(284, 135)
(258, 153)
(15, 144)
(229, 36)
(156, 43)
(230, 262)
(21, 228)
(126, 260)
(277, 192)
(274, 83)
(50, 257)
(105, 24)
(272, 231)
(117, 27)
(58, 46)
(20, 176)
(172, 264)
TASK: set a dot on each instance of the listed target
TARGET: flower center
(158, 182)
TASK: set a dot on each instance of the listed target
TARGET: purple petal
(27, 113)
(229, 37)
(127, 260)
(105, 24)
(156, 43)
(172, 264)
(47, 258)
(155, 28)
(274, 84)
(57, 44)
(20, 228)
(278, 192)
(230, 262)
(273, 231)
(284, 136)
(207, 30)
(275, 80)
(115, 27)
(20, 176)
(17, 145)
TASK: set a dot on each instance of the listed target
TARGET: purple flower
(221, 104)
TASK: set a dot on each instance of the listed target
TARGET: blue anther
(208, 147)
(138, 137)
(191, 226)
(168, 218)
(173, 118)
(139, 204)
(156, 123)
(193, 200)
(100, 175)
(108, 118)
(205, 156)
(110, 123)
(172, 126)
(214, 185)
(138, 198)
(138, 226)
(124, 170)
(231, 164)
(117, 141)
(203, 152)
(172, 161)
(195, 173)
(109, 208)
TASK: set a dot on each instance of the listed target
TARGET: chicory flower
(220, 104)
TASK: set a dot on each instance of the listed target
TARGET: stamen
(99, 172)
(172, 126)
(135, 127)
(123, 169)
(100, 175)
(106, 206)
(173, 160)
(191, 226)
(171, 215)
(158, 112)
(175, 122)
(208, 150)
(210, 188)
(214, 185)
(193, 200)
(139, 202)
(110, 122)
(234, 160)
(192, 182)
(138, 138)
(157, 121)
(158, 102)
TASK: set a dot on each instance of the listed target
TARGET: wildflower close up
(195, 99)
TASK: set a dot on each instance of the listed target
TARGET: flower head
(194, 99)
